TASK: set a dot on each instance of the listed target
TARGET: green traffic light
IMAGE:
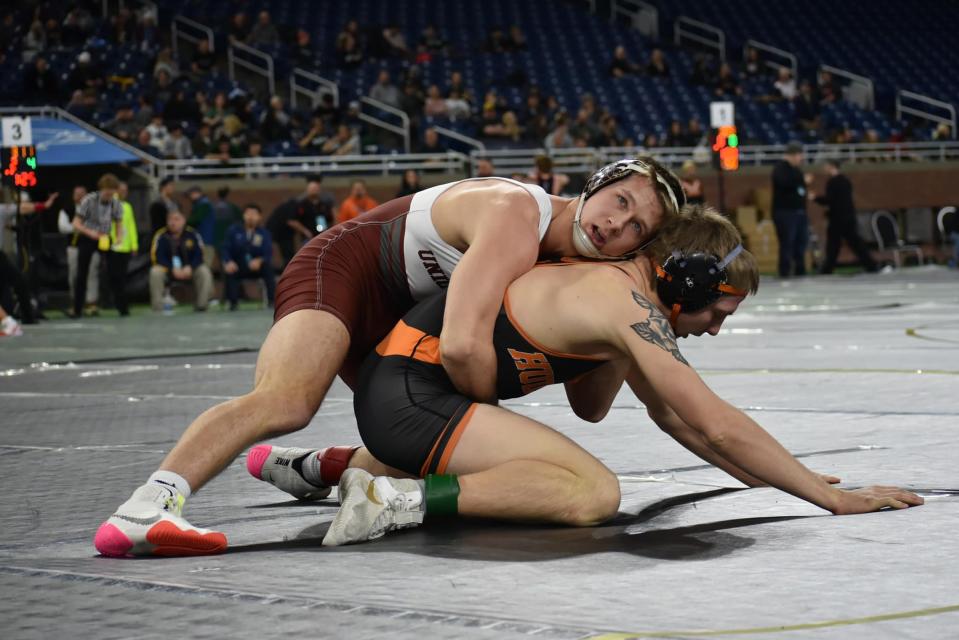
(732, 140)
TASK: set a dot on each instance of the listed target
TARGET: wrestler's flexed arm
(641, 330)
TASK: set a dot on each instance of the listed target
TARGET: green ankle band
(442, 493)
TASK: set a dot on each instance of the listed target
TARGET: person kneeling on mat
(591, 326)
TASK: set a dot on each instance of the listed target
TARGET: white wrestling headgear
(620, 170)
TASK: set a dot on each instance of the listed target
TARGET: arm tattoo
(656, 330)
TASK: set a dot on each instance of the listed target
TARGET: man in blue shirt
(247, 252)
(177, 256)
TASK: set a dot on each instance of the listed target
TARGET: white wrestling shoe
(372, 507)
(151, 523)
(275, 465)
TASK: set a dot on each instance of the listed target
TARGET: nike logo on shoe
(135, 520)
(283, 462)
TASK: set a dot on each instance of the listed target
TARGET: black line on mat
(185, 354)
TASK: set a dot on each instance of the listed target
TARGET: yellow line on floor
(917, 613)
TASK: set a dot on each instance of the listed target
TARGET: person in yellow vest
(123, 245)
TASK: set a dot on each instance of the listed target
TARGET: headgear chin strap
(689, 283)
(614, 172)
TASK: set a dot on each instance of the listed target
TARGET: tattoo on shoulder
(655, 329)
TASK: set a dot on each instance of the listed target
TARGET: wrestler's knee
(279, 412)
(597, 500)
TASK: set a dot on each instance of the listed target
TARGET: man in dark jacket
(841, 214)
(789, 212)
(301, 217)
(177, 256)
(247, 253)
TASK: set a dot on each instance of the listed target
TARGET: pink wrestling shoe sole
(256, 458)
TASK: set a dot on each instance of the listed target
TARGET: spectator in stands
(144, 111)
(357, 203)
(942, 132)
(145, 144)
(239, 28)
(409, 184)
(122, 27)
(301, 218)
(248, 254)
(675, 137)
(275, 122)
(216, 112)
(40, 84)
(789, 211)
(543, 175)
(726, 84)
(657, 66)
(785, 84)
(345, 142)
(203, 221)
(753, 66)
(148, 35)
(829, 91)
(495, 41)
(177, 145)
(806, 108)
(223, 151)
(432, 39)
(435, 105)
(204, 60)
(328, 110)
(34, 43)
(485, 168)
(456, 85)
(163, 205)
(508, 128)
(559, 137)
(85, 74)
(177, 256)
(162, 87)
(314, 139)
(621, 64)
(77, 26)
(396, 42)
(254, 165)
(93, 221)
(303, 54)
(225, 214)
(123, 125)
(843, 224)
(702, 73)
(609, 135)
(431, 143)
(124, 243)
(692, 185)
(516, 41)
(181, 109)
(694, 133)
(264, 33)
(349, 53)
(83, 103)
(203, 142)
(385, 91)
(166, 63)
(583, 128)
(65, 226)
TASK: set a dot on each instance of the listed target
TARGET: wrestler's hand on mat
(875, 498)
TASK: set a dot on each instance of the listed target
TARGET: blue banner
(60, 143)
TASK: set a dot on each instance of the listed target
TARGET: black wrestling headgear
(689, 283)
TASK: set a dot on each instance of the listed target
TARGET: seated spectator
(216, 112)
(254, 164)
(584, 127)
(181, 109)
(726, 82)
(222, 151)
(123, 126)
(516, 40)
(77, 27)
(456, 85)
(177, 256)
(349, 54)
(609, 135)
(829, 91)
(657, 66)
(675, 137)
(692, 185)
(650, 141)
(508, 128)
(145, 144)
(34, 43)
(203, 142)
(247, 254)
(275, 121)
(785, 84)
(85, 74)
(753, 66)
(328, 111)
(702, 73)
(148, 35)
(303, 53)
(496, 41)
(344, 143)
(239, 28)
(144, 110)
(559, 137)
(695, 135)
(357, 203)
(263, 33)
(409, 184)
(122, 26)
(435, 105)
(40, 83)
(806, 108)
(457, 106)
(315, 138)
(204, 60)
(621, 64)
(432, 39)
(431, 143)
(301, 218)
(162, 87)
(83, 103)
(385, 91)
(166, 62)
(396, 42)
(543, 175)
(177, 145)
(485, 168)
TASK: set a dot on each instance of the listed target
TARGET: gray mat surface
(857, 375)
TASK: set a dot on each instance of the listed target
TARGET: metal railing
(686, 28)
(901, 108)
(859, 91)
(793, 65)
(265, 69)
(403, 130)
(298, 88)
(642, 16)
(177, 32)
(455, 135)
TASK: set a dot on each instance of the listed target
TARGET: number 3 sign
(17, 132)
